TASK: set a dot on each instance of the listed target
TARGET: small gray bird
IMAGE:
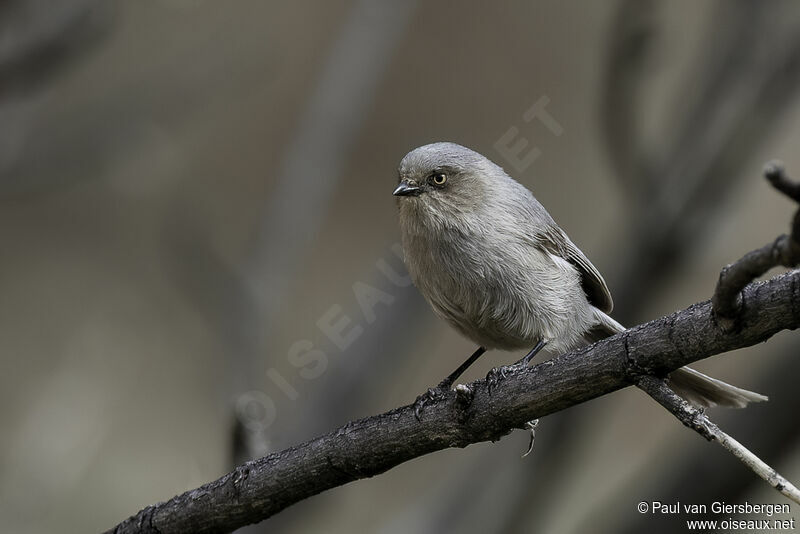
(491, 260)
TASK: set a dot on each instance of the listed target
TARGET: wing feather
(555, 241)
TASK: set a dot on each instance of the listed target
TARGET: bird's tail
(694, 386)
(706, 391)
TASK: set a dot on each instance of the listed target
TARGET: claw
(531, 425)
(493, 377)
(432, 395)
(497, 375)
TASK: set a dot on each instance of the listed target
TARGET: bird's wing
(556, 242)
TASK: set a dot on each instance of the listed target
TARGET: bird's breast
(499, 291)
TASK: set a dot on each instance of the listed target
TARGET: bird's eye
(439, 179)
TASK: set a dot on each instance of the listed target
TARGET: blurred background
(195, 196)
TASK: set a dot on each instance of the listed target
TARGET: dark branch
(776, 175)
(361, 449)
(784, 251)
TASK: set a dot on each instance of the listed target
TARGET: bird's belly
(509, 300)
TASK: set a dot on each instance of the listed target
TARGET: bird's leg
(534, 351)
(499, 373)
(434, 393)
(452, 377)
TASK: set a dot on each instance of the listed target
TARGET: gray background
(187, 187)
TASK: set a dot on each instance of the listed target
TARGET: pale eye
(439, 179)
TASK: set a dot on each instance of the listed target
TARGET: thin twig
(698, 421)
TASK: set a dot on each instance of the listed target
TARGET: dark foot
(438, 392)
(498, 374)
(430, 396)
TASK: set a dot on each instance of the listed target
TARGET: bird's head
(444, 181)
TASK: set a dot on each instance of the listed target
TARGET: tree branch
(370, 446)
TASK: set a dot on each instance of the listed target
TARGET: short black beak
(405, 189)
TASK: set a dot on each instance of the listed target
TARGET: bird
(492, 262)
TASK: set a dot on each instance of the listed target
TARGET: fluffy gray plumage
(492, 261)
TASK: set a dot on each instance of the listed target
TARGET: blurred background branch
(154, 162)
